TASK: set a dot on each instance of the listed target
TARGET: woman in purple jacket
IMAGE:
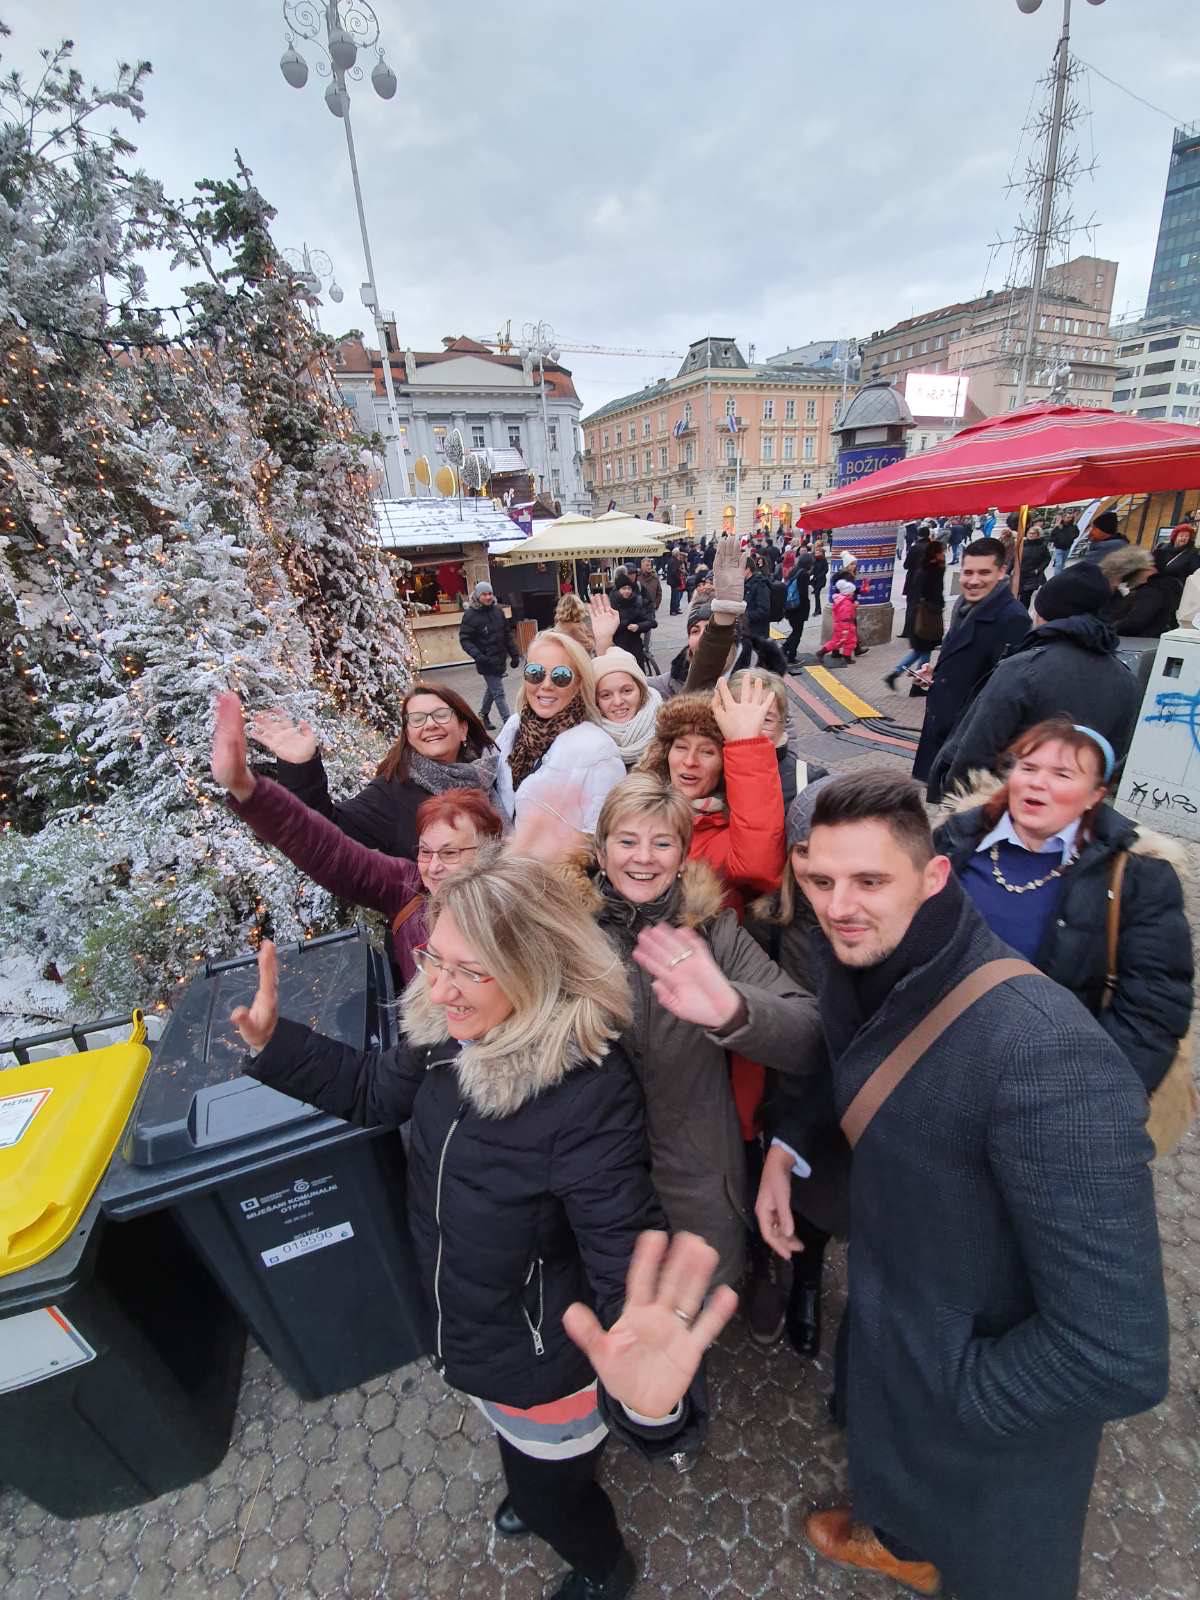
(450, 829)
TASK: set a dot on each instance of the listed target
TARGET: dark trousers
(795, 620)
(816, 594)
(564, 1505)
(676, 598)
(768, 652)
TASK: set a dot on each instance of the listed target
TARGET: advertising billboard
(936, 394)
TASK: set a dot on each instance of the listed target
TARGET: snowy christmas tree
(184, 510)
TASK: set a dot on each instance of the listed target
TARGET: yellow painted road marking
(844, 696)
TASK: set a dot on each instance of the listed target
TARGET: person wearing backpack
(795, 605)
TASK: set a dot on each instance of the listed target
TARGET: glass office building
(1175, 281)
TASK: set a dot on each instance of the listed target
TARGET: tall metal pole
(1062, 63)
(393, 415)
(545, 423)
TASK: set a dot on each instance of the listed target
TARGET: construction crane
(503, 342)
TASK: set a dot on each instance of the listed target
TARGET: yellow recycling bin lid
(60, 1120)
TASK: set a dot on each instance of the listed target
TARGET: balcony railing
(722, 424)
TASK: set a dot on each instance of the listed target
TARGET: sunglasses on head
(560, 677)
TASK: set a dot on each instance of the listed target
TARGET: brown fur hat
(682, 714)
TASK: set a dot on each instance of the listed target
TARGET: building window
(620, 469)
(648, 462)
(555, 482)
(666, 490)
(645, 427)
(514, 436)
(606, 441)
(553, 432)
(731, 406)
(806, 480)
(787, 482)
(619, 438)
(687, 414)
(477, 436)
(789, 443)
(810, 447)
(662, 422)
(1121, 394)
(1149, 391)
(637, 494)
(768, 410)
(689, 452)
(1153, 368)
(608, 472)
(764, 483)
(633, 466)
(789, 411)
(768, 449)
(439, 439)
(731, 483)
(810, 411)
(1164, 344)
(662, 456)
(730, 450)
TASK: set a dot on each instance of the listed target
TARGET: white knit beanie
(616, 660)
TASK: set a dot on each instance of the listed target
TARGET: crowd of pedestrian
(663, 980)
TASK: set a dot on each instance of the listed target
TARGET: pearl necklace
(1022, 888)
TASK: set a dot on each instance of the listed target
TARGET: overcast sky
(640, 173)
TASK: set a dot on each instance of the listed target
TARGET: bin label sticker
(17, 1111)
(39, 1344)
(293, 1203)
(305, 1243)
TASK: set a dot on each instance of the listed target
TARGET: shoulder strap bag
(1174, 1104)
(894, 1068)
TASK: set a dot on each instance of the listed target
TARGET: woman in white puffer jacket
(554, 744)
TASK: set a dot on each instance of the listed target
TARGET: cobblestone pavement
(388, 1489)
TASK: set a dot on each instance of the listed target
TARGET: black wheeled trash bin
(120, 1359)
(301, 1218)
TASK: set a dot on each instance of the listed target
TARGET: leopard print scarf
(536, 734)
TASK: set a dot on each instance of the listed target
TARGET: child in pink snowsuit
(844, 640)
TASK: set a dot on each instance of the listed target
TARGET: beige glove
(729, 580)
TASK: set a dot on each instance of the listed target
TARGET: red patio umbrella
(1040, 455)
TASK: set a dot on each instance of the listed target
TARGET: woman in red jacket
(450, 829)
(713, 751)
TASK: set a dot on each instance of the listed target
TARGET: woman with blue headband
(1039, 855)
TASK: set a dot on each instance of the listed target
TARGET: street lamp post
(339, 29)
(315, 271)
(538, 342)
(1062, 71)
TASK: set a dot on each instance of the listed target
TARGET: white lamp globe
(294, 67)
(342, 49)
(337, 100)
(383, 80)
(336, 293)
(1028, 6)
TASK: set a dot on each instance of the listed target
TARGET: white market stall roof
(574, 538)
(425, 520)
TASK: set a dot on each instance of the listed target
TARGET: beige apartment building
(719, 446)
(981, 341)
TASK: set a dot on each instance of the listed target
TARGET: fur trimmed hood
(981, 786)
(700, 901)
(681, 714)
(495, 1082)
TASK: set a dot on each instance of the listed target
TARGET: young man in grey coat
(1006, 1294)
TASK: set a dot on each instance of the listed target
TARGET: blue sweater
(1020, 920)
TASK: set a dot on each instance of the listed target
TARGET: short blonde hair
(773, 682)
(569, 992)
(579, 659)
(642, 794)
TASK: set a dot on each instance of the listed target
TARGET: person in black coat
(1149, 607)
(637, 618)
(528, 1186)
(1048, 818)
(1035, 558)
(486, 635)
(927, 605)
(1068, 664)
(987, 622)
(676, 573)
(820, 573)
(1179, 558)
(1006, 1291)
(756, 622)
(442, 745)
(914, 560)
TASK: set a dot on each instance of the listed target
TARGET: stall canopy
(1041, 455)
(639, 526)
(423, 521)
(576, 538)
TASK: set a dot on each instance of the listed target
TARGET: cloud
(639, 178)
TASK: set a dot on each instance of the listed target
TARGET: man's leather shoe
(508, 1523)
(836, 1536)
(804, 1319)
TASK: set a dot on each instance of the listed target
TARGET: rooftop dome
(876, 405)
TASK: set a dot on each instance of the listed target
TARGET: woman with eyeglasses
(451, 828)
(528, 1186)
(442, 746)
(555, 742)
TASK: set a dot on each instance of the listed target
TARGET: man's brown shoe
(836, 1536)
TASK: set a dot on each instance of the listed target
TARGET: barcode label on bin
(39, 1344)
(305, 1243)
